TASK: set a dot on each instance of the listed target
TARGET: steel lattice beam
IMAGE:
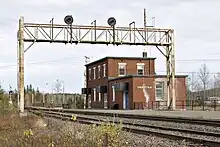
(92, 34)
(96, 34)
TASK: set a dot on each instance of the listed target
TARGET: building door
(89, 101)
(125, 100)
(105, 100)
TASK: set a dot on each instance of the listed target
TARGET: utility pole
(87, 59)
(10, 93)
(21, 63)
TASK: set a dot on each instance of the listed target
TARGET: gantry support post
(173, 69)
(21, 63)
(170, 65)
(168, 75)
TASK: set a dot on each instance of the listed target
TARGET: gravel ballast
(131, 139)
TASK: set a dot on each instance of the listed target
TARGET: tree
(37, 90)
(193, 83)
(1, 92)
(58, 86)
(216, 81)
(204, 76)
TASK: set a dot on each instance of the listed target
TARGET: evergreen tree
(28, 89)
(1, 92)
(31, 88)
(37, 90)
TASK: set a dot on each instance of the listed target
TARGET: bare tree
(204, 76)
(193, 83)
(216, 81)
(58, 86)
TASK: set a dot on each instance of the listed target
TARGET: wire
(44, 62)
(198, 60)
(190, 72)
(78, 58)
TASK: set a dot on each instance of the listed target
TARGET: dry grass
(16, 131)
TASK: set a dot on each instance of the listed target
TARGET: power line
(190, 72)
(71, 58)
(47, 62)
(199, 60)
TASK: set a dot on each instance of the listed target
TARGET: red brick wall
(131, 66)
(119, 95)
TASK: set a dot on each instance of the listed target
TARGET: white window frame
(90, 74)
(104, 70)
(138, 67)
(100, 97)
(99, 71)
(94, 94)
(161, 89)
(94, 73)
(119, 65)
(113, 93)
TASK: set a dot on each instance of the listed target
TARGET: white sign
(141, 87)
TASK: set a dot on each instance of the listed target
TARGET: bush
(17, 131)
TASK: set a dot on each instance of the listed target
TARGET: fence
(65, 100)
(196, 105)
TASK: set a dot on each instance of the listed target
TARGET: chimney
(144, 54)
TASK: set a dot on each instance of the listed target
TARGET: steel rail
(139, 125)
(141, 130)
(207, 122)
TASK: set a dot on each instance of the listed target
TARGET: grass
(30, 131)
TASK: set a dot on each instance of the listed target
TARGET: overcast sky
(196, 23)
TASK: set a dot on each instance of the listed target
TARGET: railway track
(205, 138)
(214, 123)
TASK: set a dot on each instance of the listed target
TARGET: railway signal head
(111, 21)
(68, 19)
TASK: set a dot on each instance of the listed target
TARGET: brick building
(127, 83)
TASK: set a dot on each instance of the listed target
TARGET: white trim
(113, 93)
(99, 71)
(104, 70)
(90, 74)
(94, 73)
(140, 64)
(99, 97)
(124, 101)
(142, 67)
(94, 94)
(162, 90)
(122, 63)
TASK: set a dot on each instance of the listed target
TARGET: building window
(159, 90)
(122, 69)
(113, 93)
(100, 97)
(105, 101)
(104, 70)
(99, 71)
(89, 101)
(140, 68)
(94, 74)
(94, 94)
(90, 74)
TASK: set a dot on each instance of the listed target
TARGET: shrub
(23, 131)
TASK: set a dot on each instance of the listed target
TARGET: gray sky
(196, 24)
